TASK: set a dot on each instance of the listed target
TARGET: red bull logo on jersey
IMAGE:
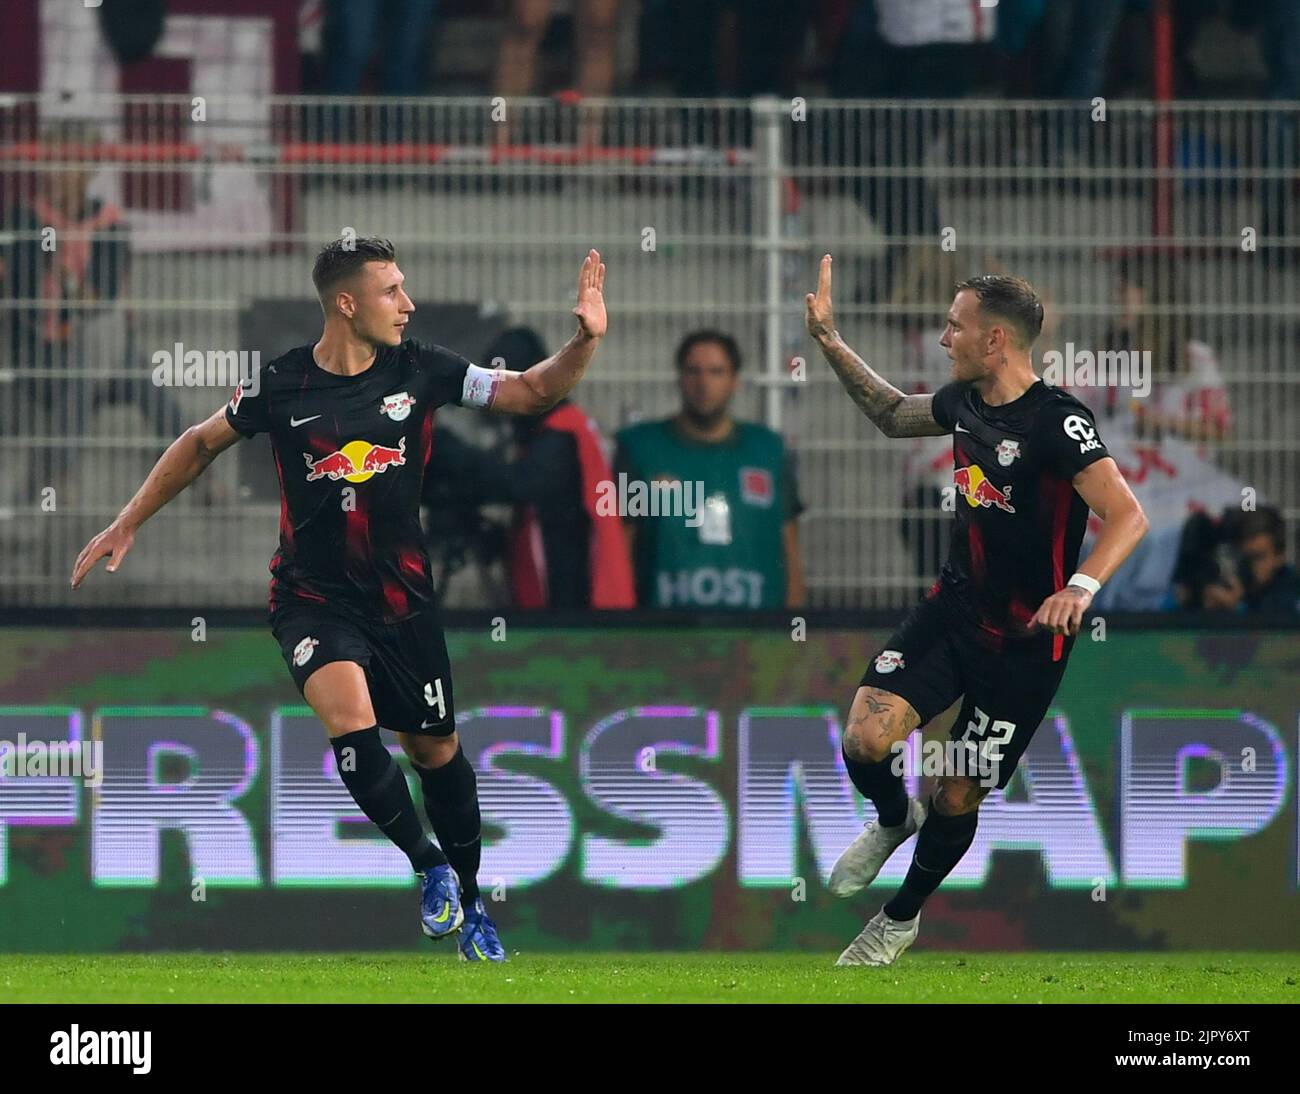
(356, 461)
(397, 406)
(973, 485)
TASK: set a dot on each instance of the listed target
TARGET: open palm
(590, 309)
(818, 315)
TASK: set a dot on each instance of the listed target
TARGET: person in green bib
(710, 503)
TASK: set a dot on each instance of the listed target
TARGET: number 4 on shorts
(433, 696)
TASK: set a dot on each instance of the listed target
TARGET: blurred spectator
(1235, 564)
(1158, 441)
(1279, 38)
(1237, 49)
(353, 28)
(594, 22)
(65, 266)
(1188, 398)
(913, 49)
(905, 49)
(768, 37)
(561, 553)
(740, 548)
(1077, 37)
(1270, 583)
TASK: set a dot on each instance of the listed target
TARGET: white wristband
(1085, 582)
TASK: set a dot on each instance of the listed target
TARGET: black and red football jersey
(1019, 521)
(351, 453)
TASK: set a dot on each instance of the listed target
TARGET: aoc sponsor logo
(1077, 428)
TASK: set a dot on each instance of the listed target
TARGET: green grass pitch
(437, 976)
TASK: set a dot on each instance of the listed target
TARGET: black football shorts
(406, 664)
(934, 659)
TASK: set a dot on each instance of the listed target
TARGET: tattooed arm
(896, 414)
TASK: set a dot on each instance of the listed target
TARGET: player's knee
(346, 719)
(429, 751)
(866, 743)
(954, 797)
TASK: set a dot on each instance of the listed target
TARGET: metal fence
(139, 226)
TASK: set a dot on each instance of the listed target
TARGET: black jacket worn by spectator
(1279, 596)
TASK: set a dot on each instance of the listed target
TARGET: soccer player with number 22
(995, 630)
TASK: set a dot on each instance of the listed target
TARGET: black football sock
(939, 847)
(451, 800)
(881, 786)
(378, 786)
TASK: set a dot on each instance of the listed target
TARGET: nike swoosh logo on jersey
(960, 428)
(303, 421)
(427, 725)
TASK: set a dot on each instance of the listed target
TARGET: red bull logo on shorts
(973, 485)
(889, 660)
(356, 461)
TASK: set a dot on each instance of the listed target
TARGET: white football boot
(862, 859)
(881, 941)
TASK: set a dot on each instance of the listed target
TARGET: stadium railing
(1144, 226)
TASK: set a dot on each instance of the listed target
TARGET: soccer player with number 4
(352, 599)
(996, 628)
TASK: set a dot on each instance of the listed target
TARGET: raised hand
(818, 316)
(590, 308)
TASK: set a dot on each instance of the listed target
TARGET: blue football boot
(478, 937)
(440, 910)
